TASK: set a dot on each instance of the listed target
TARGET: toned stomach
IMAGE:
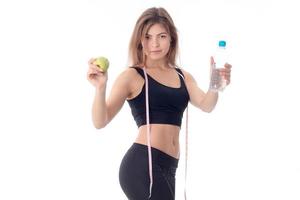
(163, 137)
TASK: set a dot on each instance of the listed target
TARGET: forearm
(209, 101)
(99, 109)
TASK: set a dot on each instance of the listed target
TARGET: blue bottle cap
(222, 43)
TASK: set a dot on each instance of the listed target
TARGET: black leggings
(134, 174)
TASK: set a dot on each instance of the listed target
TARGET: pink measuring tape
(149, 138)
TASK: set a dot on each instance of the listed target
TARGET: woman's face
(156, 43)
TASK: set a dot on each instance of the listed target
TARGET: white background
(247, 148)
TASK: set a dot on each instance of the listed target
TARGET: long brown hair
(148, 18)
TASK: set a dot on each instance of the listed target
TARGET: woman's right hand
(96, 76)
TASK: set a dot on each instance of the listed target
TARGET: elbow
(207, 109)
(100, 125)
(99, 122)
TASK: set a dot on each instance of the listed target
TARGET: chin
(157, 57)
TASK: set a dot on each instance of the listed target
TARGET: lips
(156, 51)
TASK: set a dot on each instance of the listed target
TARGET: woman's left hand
(226, 72)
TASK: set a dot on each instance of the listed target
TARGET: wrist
(101, 89)
(213, 90)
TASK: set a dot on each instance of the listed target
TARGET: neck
(161, 64)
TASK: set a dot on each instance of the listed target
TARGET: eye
(147, 37)
(163, 36)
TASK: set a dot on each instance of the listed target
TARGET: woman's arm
(104, 110)
(205, 101)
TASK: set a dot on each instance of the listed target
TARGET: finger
(92, 73)
(225, 76)
(96, 68)
(91, 61)
(95, 71)
(224, 73)
(100, 70)
(228, 81)
(225, 70)
(227, 65)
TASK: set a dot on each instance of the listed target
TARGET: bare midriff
(163, 137)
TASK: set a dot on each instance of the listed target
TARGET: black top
(166, 104)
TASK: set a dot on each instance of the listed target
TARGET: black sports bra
(166, 104)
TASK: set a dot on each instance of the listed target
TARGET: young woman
(158, 93)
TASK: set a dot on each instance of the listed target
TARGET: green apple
(102, 63)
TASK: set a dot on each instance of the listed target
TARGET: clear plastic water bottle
(217, 82)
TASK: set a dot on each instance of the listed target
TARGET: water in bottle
(218, 82)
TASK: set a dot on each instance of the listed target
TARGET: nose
(155, 42)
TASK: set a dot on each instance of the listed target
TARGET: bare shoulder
(128, 82)
(188, 76)
(127, 75)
